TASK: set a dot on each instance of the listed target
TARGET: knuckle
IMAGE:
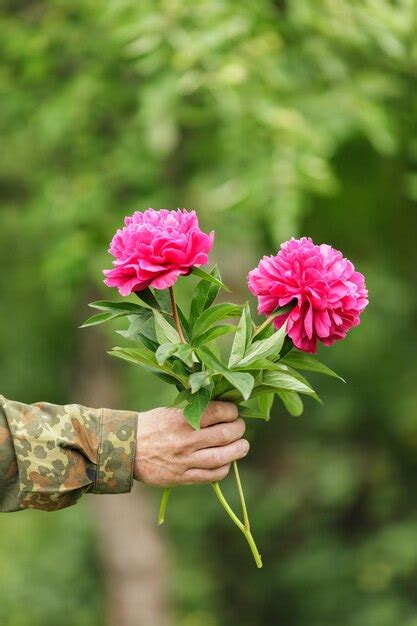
(224, 434)
(243, 447)
(215, 409)
(182, 467)
(177, 422)
(189, 442)
(216, 457)
(199, 477)
(223, 471)
(177, 446)
(220, 410)
(228, 410)
(188, 476)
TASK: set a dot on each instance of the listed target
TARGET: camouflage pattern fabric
(51, 455)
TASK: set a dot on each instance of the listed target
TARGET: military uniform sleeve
(51, 455)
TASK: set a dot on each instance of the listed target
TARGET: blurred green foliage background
(272, 119)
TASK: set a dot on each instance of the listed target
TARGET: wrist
(117, 451)
(135, 472)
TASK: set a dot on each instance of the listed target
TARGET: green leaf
(163, 298)
(146, 358)
(148, 330)
(198, 380)
(251, 413)
(135, 355)
(140, 323)
(213, 333)
(282, 380)
(287, 347)
(265, 403)
(180, 399)
(242, 381)
(147, 296)
(242, 338)
(266, 332)
(257, 391)
(296, 374)
(210, 278)
(304, 361)
(184, 352)
(204, 295)
(292, 402)
(264, 348)
(117, 307)
(164, 331)
(142, 328)
(197, 404)
(101, 318)
(210, 360)
(221, 386)
(230, 395)
(285, 309)
(184, 323)
(148, 343)
(167, 378)
(180, 368)
(166, 350)
(260, 364)
(214, 314)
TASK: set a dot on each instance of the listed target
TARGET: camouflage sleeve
(51, 455)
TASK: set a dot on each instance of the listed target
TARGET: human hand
(170, 452)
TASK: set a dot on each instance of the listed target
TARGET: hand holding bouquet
(309, 293)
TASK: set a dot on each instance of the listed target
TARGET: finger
(194, 475)
(210, 458)
(219, 434)
(217, 412)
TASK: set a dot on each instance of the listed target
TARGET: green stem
(252, 545)
(241, 496)
(227, 507)
(167, 492)
(163, 506)
(246, 532)
(175, 315)
(264, 324)
(270, 319)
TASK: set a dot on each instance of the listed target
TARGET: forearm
(50, 455)
(9, 475)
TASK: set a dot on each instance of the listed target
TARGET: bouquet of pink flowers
(309, 293)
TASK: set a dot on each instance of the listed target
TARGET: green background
(272, 119)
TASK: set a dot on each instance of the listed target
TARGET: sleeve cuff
(116, 452)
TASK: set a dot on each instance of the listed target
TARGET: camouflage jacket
(51, 455)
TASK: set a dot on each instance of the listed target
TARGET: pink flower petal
(166, 280)
(330, 293)
(155, 248)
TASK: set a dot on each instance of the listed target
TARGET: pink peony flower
(156, 247)
(330, 295)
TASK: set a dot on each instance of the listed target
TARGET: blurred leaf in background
(43, 560)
